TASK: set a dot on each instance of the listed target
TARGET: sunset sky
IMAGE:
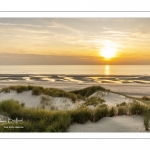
(74, 41)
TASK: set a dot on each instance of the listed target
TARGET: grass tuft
(111, 112)
(88, 91)
(137, 109)
(37, 91)
(145, 98)
(146, 123)
(94, 101)
(122, 104)
(122, 110)
(99, 113)
(147, 119)
(81, 115)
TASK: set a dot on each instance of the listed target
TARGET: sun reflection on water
(107, 70)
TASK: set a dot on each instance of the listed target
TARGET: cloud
(27, 25)
(64, 26)
(32, 59)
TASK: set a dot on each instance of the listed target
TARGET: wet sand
(129, 85)
(78, 78)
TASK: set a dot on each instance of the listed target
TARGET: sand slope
(111, 98)
(25, 97)
(54, 103)
(111, 124)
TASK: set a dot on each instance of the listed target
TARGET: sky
(74, 41)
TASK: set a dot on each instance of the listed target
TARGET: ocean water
(76, 69)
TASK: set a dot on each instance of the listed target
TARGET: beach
(128, 85)
(120, 89)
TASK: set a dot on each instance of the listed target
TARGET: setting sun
(108, 52)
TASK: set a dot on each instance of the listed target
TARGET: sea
(76, 69)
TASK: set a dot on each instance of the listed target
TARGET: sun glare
(108, 50)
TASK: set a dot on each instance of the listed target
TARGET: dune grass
(146, 122)
(145, 98)
(99, 113)
(111, 112)
(103, 105)
(35, 120)
(122, 104)
(147, 119)
(37, 90)
(40, 120)
(94, 101)
(89, 90)
(18, 89)
(45, 100)
(122, 110)
(81, 115)
(137, 108)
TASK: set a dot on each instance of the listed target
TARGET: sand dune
(54, 103)
(25, 97)
(61, 103)
(111, 124)
(107, 124)
(111, 99)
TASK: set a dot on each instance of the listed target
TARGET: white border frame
(73, 14)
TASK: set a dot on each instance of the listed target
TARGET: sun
(108, 50)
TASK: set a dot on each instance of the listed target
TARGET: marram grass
(89, 90)
(37, 90)
(40, 120)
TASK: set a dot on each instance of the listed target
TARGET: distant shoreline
(87, 75)
(136, 89)
(120, 79)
